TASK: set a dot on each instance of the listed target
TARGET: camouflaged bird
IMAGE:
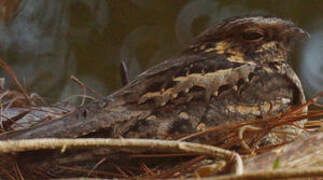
(235, 70)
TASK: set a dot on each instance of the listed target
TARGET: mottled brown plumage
(234, 71)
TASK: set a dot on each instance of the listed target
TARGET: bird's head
(253, 38)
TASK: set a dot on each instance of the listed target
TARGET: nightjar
(235, 70)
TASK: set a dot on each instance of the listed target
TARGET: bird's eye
(253, 35)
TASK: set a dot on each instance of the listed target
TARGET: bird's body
(234, 71)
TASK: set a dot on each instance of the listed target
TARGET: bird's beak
(307, 35)
(299, 34)
(293, 35)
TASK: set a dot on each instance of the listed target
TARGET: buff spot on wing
(266, 107)
(214, 80)
(242, 109)
(259, 109)
(151, 118)
(268, 70)
(153, 94)
(210, 49)
(236, 58)
(183, 115)
(211, 82)
(201, 127)
(221, 47)
(202, 47)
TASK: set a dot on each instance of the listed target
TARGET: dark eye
(252, 35)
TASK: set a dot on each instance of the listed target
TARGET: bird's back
(235, 71)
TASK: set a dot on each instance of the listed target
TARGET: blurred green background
(47, 41)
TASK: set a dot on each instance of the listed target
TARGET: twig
(265, 175)
(96, 166)
(242, 130)
(186, 165)
(274, 174)
(121, 171)
(124, 73)
(145, 144)
(85, 87)
(316, 98)
(5, 66)
(147, 170)
(19, 172)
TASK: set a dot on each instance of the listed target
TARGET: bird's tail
(83, 121)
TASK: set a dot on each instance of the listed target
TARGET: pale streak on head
(258, 20)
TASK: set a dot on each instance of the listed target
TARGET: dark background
(47, 41)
